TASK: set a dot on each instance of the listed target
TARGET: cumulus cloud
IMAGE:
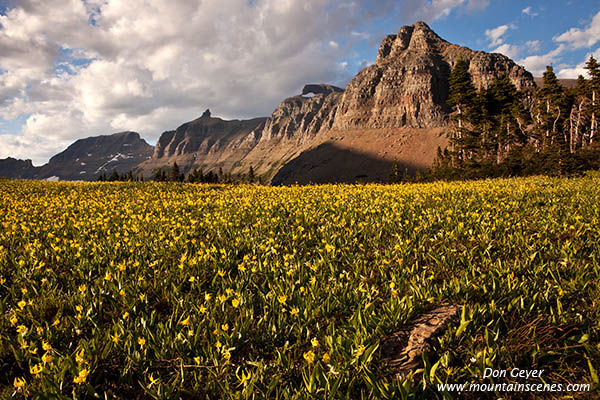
(574, 38)
(586, 37)
(579, 69)
(496, 35)
(513, 51)
(536, 64)
(83, 68)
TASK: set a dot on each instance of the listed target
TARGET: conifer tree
(593, 69)
(176, 175)
(462, 97)
(251, 177)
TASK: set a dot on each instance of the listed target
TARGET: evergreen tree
(506, 111)
(159, 175)
(114, 176)
(593, 69)
(251, 177)
(462, 97)
(176, 175)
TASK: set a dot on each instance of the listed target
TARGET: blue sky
(74, 68)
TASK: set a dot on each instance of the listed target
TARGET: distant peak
(206, 114)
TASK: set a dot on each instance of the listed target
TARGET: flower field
(162, 290)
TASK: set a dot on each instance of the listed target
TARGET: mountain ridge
(399, 102)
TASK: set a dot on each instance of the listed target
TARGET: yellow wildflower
(79, 356)
(185, 321)
(314, 342)
(141, 341)
(82, 288)
(153, 380)
(22, 304)
(359, 352)
(82, 376)
(326, 358)
(36, 369)
(46, 346)
(47, 358)
(19, 383)
(309, 356)
(226, 354)
(282, 299)
(235, 303)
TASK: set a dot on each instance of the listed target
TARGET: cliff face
(302, 116)
(206, 142)
(408, 84)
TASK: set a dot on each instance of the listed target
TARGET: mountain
(206, 142)
(88, 158)
(393, 112)
(408, 83)
(85, 159)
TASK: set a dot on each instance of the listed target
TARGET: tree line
(175, 174)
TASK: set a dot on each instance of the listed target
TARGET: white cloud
(537, 64)
(153, 65)
(513, 50)
(496, 36)
(582, 38)
(579, 69)
(509, 50)
(529, 11)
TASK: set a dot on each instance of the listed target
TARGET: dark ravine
(393, 111)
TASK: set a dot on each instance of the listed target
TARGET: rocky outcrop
(407, 86)
(301, 116)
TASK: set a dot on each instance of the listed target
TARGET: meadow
(166, 290)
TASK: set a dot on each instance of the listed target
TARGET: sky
(71, 69)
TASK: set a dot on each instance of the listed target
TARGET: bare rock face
(408, 84)
(301, 116)
(206, 142)
(203, 135)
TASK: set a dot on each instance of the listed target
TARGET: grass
(145, 290)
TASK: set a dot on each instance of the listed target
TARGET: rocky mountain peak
(206, 114)
(408, 84)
